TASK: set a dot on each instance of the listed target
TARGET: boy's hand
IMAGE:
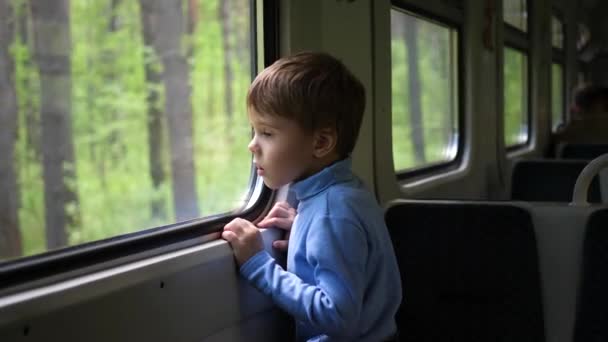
(244, 238)
(281, 216)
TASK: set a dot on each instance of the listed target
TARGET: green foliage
(110, 121)
(516, 97)
(27, 153)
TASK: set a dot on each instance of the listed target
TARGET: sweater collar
(337, 172)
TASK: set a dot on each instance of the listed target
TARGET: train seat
(469, 271)
(548, 180)
(581, 151)
(592, 312)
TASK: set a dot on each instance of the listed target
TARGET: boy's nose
(253, 146)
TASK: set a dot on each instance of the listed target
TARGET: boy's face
(282, 151)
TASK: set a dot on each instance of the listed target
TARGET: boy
(342, 281)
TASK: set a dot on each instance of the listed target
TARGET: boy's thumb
(280, 245)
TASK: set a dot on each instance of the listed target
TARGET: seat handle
(581, 187)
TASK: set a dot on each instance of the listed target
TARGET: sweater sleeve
(336, 249)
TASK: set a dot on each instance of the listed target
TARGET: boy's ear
(325, 140)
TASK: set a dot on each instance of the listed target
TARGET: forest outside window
(516, 116)
(424, 87)
(557, 72)
(515, 97)
(119, 116)
(557, 97)
(557, 32)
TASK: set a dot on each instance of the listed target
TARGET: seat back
(469, 271)
(581, 151)
(547, 180)
(592, 312)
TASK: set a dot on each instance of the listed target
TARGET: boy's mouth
(260, 170)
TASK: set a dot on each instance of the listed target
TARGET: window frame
(453, 19)
(34, 270)
(518, 40)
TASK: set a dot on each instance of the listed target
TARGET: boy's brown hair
(314, 89)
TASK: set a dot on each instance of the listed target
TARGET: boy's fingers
(238, 226)
(278, 222)
(283, 205)
(276, 212)
(281, 209)
(229, 236)
(231, 224)
(280, 245)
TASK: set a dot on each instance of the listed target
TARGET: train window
(424, 91)
(515, 97)
(515, 73)
(557, 97)
(124, 115)
(516, 13)
(557, 72)
(557, 32)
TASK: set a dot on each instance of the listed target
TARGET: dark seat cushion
(469, 272)
(549, 181)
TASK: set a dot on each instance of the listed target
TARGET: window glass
(557, 33)
(424, 91)
(557, 97)
(515, 13)
(515, 97)
(123, 115)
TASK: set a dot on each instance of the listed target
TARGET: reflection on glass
(515, 97)
(424, 91)
(584, 35)
(515, 13)
(132, 118)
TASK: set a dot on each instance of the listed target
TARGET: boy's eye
(266, 134)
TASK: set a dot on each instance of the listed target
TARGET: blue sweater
(342, 281)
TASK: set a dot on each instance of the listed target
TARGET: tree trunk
(149, 20)
(115, 149)
(52, 44)
(228, 73)
(192, 16)
(113, 24)
(10, 236)
(416, 124)
(178, 108)
(444, 43)
(26, 105)
(242, 31)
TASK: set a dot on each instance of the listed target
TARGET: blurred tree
(416, 124)
(225, 18)
(178, 107)
(149, 20)
(52, 45)
(10, 236)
